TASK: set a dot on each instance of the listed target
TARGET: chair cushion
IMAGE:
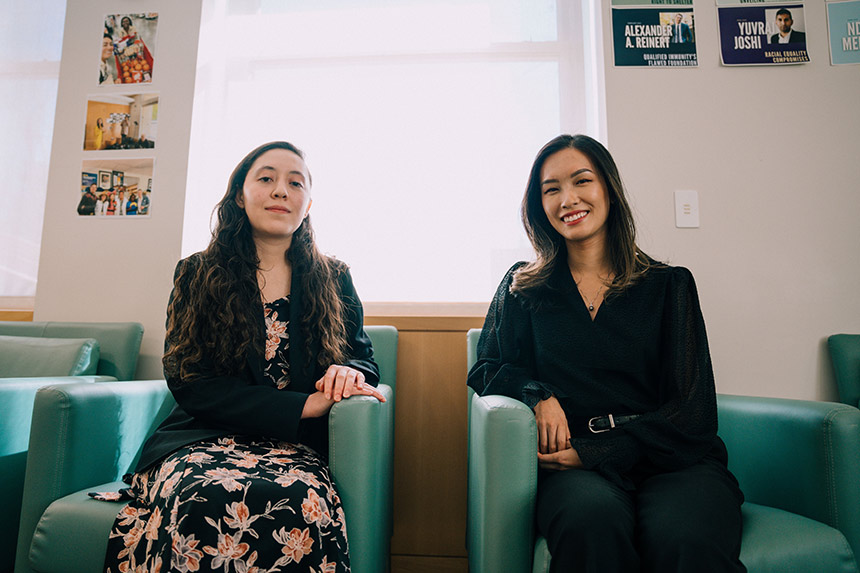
(31, 356)
(72, 535)
(779, 541)
(773, 541)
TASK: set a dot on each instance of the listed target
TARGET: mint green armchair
(119, 342)
(40, 354)
(91, 434)
(796, 462)
(845, 357)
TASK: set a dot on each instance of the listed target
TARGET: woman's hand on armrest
(341, 382)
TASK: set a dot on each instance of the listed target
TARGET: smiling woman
(608, 347)
(574, 196)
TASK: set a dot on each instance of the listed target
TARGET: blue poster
(762, 35)
(843, 22)
(654, 37)
(88, 179)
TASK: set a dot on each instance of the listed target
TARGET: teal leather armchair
(116, 348)
(845, 357)
(796, 462)
(119, 342)
(91, 434)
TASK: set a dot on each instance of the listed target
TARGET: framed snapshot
(127, 48)
(121, 121)
(104, 179)
(126, 187)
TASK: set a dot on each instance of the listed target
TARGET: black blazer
(794, 37)
(213, 406)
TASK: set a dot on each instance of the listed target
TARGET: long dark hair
(628, 262)
(216, 294)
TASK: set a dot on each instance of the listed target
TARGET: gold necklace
(590, 303)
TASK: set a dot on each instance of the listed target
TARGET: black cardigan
(646, 353)
(212, 406)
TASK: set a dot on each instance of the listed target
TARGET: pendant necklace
(590, 303)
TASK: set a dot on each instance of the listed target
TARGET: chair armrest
(16, 412)
(16, 408)
(502, 485)
(845, 357)
(796, 455)
(361, 450)
(84, 435)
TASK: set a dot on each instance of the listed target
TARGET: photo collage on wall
(662, 33)
(120, 127)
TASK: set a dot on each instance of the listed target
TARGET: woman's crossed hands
(337, 383)
(554, 449)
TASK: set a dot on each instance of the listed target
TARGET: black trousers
(681, 521)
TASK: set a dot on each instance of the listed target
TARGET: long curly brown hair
(628, 262)
(215, 310)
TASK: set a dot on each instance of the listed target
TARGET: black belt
(600, 424)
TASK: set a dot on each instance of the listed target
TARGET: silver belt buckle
(595, 431)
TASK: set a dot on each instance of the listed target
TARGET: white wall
(774, 153)
(100, 269)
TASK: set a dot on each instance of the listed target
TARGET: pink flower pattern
(281, 514)
(236, 503)
(278, 342)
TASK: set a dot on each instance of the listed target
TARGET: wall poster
(843, 24)
(654, 33)
(762, 34)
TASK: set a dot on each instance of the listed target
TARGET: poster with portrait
(104, 179)
(662, 3)
(128, 48)
(663, 36)
(122, 188)
(843, 25)
(762, 34)
(121, 121)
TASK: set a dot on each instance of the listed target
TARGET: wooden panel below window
(15, 314)
(422, 564)
(430, 443)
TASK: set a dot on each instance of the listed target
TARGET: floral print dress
(236, 504)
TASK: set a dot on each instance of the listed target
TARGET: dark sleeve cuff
(534, 392)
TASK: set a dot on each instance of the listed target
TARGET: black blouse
(250, 402)
(646, 353)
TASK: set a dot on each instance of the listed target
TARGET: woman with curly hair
(264, 335)
(608, 347)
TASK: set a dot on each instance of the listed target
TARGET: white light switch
(686, 209)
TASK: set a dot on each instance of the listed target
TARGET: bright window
(419, 118)
(31, 37)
